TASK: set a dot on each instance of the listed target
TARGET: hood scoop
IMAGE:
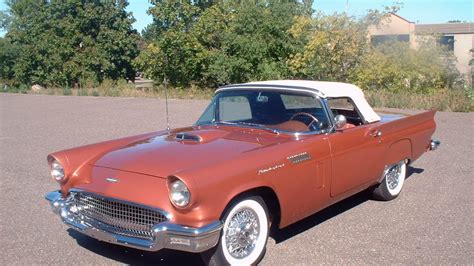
(200, 136)
(183, 136)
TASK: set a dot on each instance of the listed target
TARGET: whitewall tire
(244, 235)
(392, 183)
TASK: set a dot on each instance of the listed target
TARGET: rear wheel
(392, 183)
(244, 235)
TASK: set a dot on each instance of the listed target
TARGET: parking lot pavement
(431, 222)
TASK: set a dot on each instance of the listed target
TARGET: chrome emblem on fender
(112, 180)
(263, 171)
(300, 157)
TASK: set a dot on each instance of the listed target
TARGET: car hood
(184, 149)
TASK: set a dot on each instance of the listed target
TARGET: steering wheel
(306, 114)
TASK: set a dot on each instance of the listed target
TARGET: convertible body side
(326, 168)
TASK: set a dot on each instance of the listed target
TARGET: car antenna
(165, 82)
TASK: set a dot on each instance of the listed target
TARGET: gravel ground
(430, 223)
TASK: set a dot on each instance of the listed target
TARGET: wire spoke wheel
(393, 177)
(244, 234)
(391, 186)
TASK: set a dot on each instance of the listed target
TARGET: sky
(418, 11)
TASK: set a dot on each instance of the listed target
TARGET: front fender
(76, 161)
(215, 188)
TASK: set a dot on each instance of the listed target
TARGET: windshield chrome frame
(313, 93)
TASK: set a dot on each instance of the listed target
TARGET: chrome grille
(117, 217)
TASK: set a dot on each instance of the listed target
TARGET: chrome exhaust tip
(434, 144)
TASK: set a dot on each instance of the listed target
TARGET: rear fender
(399, 150)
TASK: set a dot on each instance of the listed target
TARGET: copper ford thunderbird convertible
(261, 154)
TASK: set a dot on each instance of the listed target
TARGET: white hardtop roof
(323, 89)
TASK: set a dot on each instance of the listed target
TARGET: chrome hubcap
(242, 233)
(393, 176)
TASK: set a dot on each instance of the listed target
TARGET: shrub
(82, 92)
(67, 91)
(454, 100)
(396, 67)
(23, 88)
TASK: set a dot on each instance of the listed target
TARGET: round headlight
(57, 171)
(179, 193)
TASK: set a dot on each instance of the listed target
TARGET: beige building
(457, 37)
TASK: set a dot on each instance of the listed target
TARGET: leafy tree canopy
(213, 43)
(64, 42)
(209, 43)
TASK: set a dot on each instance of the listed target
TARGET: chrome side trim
(112, 180)
(298, 158)
(434, 144)
(165, 234)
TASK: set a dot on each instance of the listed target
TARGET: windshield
(284, 111)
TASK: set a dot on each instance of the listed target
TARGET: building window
(447, 41)
(381, 39)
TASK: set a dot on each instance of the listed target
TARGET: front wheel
(244, 235)
(392, 182)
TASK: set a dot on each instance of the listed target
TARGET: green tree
(213, 43)
(173, 51)
(5, 20)
(64, 42)
(394, 66)
(253, 45)
(333, 47)
(8, 55)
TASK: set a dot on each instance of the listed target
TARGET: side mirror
(340, 122)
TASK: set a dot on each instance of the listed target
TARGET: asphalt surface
(431, 222)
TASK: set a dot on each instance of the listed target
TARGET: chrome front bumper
(165, 234)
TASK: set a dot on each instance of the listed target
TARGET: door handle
(376, 133)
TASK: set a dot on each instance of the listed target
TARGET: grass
(457, 100)
(82, 92)
(442, 100)
(67, 91)
(122, 90)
